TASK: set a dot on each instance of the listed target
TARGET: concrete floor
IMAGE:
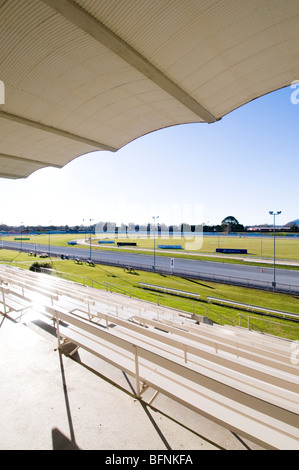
(52, 401)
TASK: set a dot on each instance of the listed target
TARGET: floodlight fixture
(274, 213)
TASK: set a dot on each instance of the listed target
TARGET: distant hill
(293, 222)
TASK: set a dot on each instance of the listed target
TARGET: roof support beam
(81, 18)
(53, 130)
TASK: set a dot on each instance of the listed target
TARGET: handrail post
(4, 303)
(57, 329)
(137, 372)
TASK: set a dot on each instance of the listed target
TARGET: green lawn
(123, 282)
(285, 247)
(43, 239)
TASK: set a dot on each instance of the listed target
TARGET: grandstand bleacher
(240, 379)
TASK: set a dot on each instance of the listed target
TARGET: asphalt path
(213, 269)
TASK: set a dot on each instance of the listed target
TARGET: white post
(57, 329)
(137, 372)
(4, 303)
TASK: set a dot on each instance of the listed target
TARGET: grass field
(127, 283)
(55, 239)
(285, 247)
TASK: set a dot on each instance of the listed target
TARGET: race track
(231, 273)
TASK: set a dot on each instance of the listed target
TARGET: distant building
(266, 228)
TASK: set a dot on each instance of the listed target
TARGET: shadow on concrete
(58, 437)
(45, 326)
(147, 407)
(150, 417)
(61, 442)
(156, 427)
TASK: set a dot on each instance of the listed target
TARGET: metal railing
(254, 308)
(223, 279)
(169, 290)
(253, 326)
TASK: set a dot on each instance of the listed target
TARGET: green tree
(231, 224)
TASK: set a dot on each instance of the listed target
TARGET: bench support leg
(153, 397)
(74, 350)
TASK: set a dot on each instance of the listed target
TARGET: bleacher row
(240, 379)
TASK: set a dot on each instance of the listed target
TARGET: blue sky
(244, 165)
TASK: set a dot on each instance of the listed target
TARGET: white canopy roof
(86, 75)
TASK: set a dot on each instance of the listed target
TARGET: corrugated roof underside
(224, 53)
(60, 76)
(66, 93)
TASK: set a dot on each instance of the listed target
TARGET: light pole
(83, 224)
(274, 214)
(155, 217)
(90, 220)
(49, 239)
(22, 236)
